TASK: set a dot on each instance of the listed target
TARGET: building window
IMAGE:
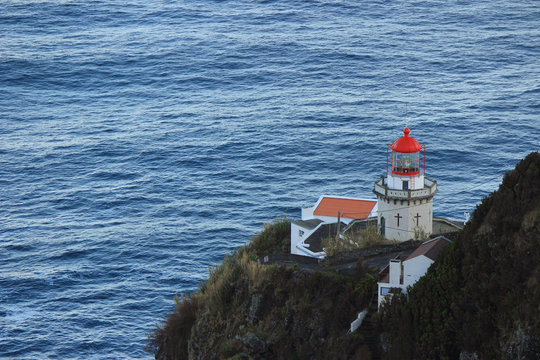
(389, 291)
(405, 184)
(301, 233)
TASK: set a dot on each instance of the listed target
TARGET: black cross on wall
(398, 217)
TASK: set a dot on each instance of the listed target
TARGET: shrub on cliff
(274, 238)
(170, 341)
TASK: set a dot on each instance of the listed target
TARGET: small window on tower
(301, 233)
(406, 185)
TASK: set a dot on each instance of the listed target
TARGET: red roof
(348, 208)
(406, 143)
(430, 249)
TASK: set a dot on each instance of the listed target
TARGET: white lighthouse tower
(405, 206)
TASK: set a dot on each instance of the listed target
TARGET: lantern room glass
(405, 163)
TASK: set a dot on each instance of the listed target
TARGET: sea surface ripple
(143, 140)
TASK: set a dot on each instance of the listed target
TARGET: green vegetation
(274, 238)
(349, 242)
(246, 309)
(481, 298)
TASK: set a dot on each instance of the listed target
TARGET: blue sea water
(140, 141)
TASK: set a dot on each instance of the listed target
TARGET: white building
(321, 221)
(405, 196)
(307, 236)
(404, 271)
(301, 230)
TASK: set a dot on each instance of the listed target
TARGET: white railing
(430, 188)
(356, 323)
(317, 255)
(380, 189)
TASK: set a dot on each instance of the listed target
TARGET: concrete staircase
(367, 330)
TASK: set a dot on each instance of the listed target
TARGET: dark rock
(465, 355)
(289, 317)
(254, 343)
(254, 308)
(319, 334)
(522, 346)
(301, 330)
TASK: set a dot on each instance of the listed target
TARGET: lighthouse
(405, 195)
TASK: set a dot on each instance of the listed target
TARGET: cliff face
(481, 299)
(249, 310)
(296, 314)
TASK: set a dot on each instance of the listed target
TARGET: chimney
(395, 271)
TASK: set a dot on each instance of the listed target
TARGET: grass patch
(220, 288)
(349, 242)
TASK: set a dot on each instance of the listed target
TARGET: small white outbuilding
(325, 218)
(404, 271)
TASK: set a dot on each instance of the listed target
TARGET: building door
(405, 185)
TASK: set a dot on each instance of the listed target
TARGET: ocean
(141, 141)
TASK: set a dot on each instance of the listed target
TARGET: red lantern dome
(406, 143)
(405, 157)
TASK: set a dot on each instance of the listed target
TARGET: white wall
(307, 213)
(394, 275)
(396, 181)
(407, 221)
(389, 212)
(296, 238)
(415, 268)
(425, 221)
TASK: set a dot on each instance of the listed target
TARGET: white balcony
(430, 189)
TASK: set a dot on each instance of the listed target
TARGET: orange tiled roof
(349, 208)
